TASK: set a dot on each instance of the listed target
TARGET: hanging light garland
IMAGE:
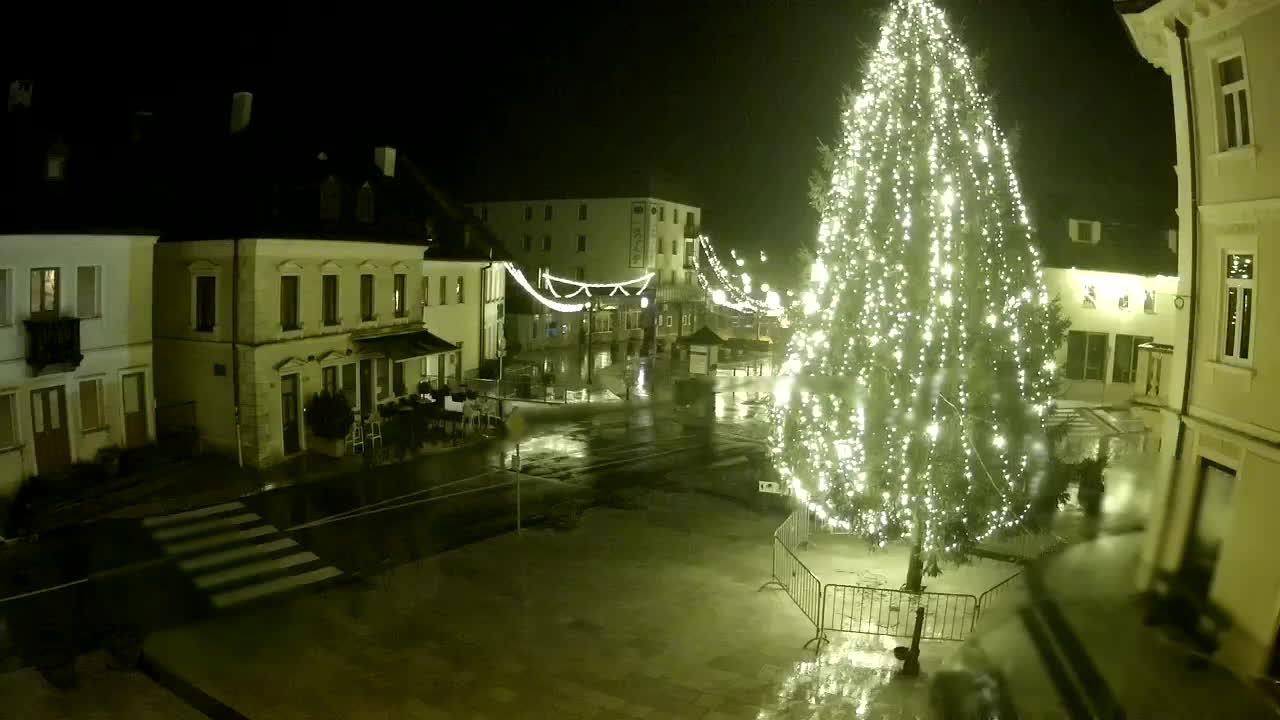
(730, 291)
(585, 288)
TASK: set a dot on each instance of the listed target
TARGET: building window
(206, 302)
(1090, 296)
(45, 296)
(426, 291)
(366, 297)
(675, 247)
(349, 385)
(458, 292)
(1124, 367)
(8, 420)
(1123, 303)
(364, 204)
(330, 199)
(1238, 303)
(546, 243)
(289, 302)
(91, 415)
(528, 243)
(662, 246)
(381, 369)
(1086, 355)
(580, 274)
(1149, 302)
(1212, 525)
(484, 213)
(528, 212)
(6, 297)
(582, 211)
(444, 289)
(398, 384)
(329, 299)
(1232, 83)
(329, 379)
(397, 289)
(662, 213)
(582, 243)
(546, 212)
(1085, 232)
(88, 293)
(675, 216)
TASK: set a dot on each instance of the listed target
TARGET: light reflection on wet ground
(854, 677)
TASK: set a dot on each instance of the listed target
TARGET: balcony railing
(53, 344)
(1151, 384)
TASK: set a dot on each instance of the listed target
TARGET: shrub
(329, 416)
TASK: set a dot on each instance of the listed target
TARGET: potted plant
(329, 417)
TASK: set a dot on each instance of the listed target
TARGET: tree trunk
(915, 569)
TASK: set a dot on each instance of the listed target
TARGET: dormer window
(1086, 232)
(364, 204)
(56, 162)
(330, 199)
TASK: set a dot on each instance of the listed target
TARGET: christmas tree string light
(729, 290)
(928, 294)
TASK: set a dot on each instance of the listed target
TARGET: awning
(406, 344)
(704, 336)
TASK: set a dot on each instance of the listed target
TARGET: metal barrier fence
(999, 589)
(789, 573)
(882, 611)
(870, 611)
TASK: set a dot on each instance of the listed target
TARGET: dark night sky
(729, 98)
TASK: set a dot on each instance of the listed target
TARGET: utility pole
(591, 306)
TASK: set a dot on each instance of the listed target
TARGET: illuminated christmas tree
(927, 301)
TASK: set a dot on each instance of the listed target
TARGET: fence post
(910, 657)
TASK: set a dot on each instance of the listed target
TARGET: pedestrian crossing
(233, 556)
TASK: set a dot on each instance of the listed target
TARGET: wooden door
(49, 429)
(366, 386)
(133, 392)
(290, 428)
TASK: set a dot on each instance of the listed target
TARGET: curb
(188, 693)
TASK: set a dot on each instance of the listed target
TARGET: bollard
(910, 657)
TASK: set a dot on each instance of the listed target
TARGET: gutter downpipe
(1194, 169)
(235, 332)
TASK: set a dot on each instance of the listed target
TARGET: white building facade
(1212, 525)
(75, 350)
(1111, 315)
(602, 240)
(344, 316)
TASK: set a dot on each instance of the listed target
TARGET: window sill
(1244, 151)
(10, 448)
(90, 317)
(92, 430)
(1229, 369)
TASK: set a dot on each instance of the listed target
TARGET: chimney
(385, 158)
(241, 110)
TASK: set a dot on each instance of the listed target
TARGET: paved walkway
(102, 693)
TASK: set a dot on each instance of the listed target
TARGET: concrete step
(206, 526)
(223, 557)
(219, 540)
(262, 567)
(274, 586)
(161, 520)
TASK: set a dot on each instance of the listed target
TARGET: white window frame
(1150, 303)
(102, 423)
(12, 394)
(7, 295)
(290, 268)
(1220, 54)
(97, 293)
(199, 269)
(331, 269)
(1075, 226)
(1240, 333)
